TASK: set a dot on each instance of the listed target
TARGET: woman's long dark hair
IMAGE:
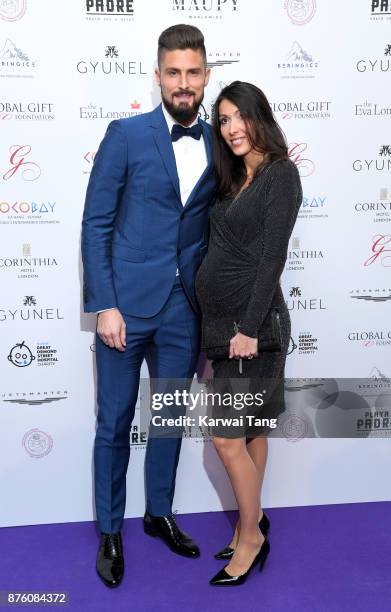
(263, 132)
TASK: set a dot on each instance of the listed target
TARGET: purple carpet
(330, 558)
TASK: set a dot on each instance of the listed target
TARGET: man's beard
(183, 112)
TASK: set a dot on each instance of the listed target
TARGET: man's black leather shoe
(110, 559)
(166, 528)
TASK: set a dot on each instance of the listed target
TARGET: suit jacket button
(178, 252)
(182, 216)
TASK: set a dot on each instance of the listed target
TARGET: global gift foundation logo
(37, 443)
(371, 338)
(31, 111)
(298, 64)
(300, 12)
(12, 10)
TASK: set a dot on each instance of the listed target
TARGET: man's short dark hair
(181, 36)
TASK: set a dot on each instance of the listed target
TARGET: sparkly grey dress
(240, 277)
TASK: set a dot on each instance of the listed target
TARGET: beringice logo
(296, 152)
(37, 443)
(21, 165)
(12, 10)
(300, 12)
(20, 355)
(14, 62)
(381, 251)
(299, 63)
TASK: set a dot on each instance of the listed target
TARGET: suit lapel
(208, 145)
(163, 142)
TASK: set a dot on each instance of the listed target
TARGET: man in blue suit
(143, 238)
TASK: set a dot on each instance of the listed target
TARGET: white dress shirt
(191, 160)
(190, 156)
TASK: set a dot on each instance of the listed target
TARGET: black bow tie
(178, 131)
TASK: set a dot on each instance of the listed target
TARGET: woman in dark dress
(239, 280)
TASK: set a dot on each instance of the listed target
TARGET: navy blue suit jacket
(136, 232)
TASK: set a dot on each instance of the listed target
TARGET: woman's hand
(243, 346)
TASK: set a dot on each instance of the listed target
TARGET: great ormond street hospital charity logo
(20, 355)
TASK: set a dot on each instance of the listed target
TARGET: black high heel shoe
(222, 578)
(227, 552)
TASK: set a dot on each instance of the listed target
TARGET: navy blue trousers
(170, 343)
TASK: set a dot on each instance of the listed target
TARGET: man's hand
(112, 329)
(243, 346)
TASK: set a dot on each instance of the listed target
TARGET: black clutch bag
(216, 335)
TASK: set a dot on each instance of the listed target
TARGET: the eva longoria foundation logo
(37, 443)
(12, 10)
(93, 111)
(300, 12)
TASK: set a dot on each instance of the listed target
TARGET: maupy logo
(300, 12)
(12, 10)
(296, 152)
(37, 443)
(20, 355)
(21, 164)
(381, 250)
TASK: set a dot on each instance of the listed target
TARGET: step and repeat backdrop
(67, 68)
